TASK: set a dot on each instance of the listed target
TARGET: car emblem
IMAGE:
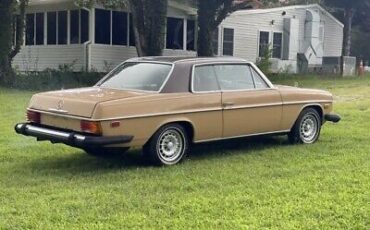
(60, 105)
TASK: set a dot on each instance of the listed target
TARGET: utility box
(349, 66)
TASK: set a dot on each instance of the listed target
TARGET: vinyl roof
(185, 59)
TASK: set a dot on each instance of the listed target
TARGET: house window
(75, 26)
(62, 27)
(84, 26)
(39, 28)
(228, 42)
(215, 42)
(14, 30)
(52, 28)
(119, 28)
(175, 33)
(277, 45)
(102, 26)
(111, 28)
(264, 43)
(30, 29)
(35, 29)
(190, 35)
(131, 32)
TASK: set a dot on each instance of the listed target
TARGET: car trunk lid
(77, 102)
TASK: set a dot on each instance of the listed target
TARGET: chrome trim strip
(306, 102)
(241, 136)
(57, 110)
(48, 132)
(133, 116)
(253, 106)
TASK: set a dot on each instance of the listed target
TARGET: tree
(348, 7)
(149, 19)
(210, 14)
(12, 20)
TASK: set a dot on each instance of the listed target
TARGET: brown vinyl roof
(185, 59)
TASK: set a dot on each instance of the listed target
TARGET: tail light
(92, 127)
(33, 117)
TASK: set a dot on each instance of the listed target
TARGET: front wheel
(168, 146)
(307, 128)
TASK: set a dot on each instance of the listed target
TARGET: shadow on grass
(80, 162)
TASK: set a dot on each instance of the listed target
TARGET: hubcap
(170, 145)
(309, 128)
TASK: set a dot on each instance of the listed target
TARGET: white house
(96, 39)
(300, 37)
(60, 33)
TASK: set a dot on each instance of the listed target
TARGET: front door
(250, 105)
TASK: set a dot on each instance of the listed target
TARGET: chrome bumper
(68, 137)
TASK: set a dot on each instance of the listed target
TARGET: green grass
(258, 183)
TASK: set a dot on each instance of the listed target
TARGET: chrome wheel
(306, 129)
(170, 145)
(309, 128)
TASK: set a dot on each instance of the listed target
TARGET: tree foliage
(12, 22)
(349, 8)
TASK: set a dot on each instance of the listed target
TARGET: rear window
(137, 76)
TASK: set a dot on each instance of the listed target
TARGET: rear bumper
(332, 117)
(68, 137)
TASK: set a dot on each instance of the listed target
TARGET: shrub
(264, 62)
(50, 79)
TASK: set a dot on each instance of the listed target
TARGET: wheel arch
(316, 106)
(185, 123)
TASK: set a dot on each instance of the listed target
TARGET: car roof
(185, 59)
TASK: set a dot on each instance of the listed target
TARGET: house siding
(248, 25)
(38, 58)
(104, 57)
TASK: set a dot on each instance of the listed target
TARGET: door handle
(226, 104)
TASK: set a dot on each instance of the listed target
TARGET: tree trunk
(149, 19)
(6, 37)
(206, 28)
(348, 16)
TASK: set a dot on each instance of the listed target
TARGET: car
(165, 104)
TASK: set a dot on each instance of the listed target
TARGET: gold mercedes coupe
(164, 104)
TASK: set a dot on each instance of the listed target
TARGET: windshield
(137, 76)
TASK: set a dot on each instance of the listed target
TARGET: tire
(168, 146)
(105, 152)
(306, 129)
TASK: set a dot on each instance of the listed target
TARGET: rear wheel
(168, 146)
(307, 128)
(105, 152)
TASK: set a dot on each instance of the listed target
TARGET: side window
(204, 79)
(259, 82)
(234, 77)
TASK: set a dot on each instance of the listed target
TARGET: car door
(207, 98)
(250, 105)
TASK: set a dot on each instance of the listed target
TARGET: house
(58, 32)
(301, 37)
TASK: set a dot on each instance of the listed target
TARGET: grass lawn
(258, 183)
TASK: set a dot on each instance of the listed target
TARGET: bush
(54, 79)
(264, 62)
